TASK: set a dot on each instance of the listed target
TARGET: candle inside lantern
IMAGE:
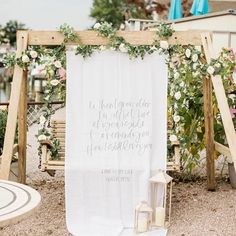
(160, 216)
(142, 225)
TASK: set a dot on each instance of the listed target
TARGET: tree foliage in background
(115, 11)
(8, 32)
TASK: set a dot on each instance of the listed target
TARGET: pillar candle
(160, 216)
(142, 225)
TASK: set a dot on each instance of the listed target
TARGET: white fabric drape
(115, 136)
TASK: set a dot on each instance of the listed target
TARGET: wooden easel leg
(22, 131)
(209, 134)
(209, 120)
(22, 41)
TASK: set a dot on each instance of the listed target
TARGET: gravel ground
(195, 211)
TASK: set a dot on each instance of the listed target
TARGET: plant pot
(232, 175)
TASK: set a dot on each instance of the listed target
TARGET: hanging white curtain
(115, 136)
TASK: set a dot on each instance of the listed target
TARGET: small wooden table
(17, 201)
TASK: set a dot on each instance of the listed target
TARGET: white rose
(57, 64)
(123, 48)
(112, 48)
(102, 48)
(176, 119)
(47, 98)
(33, 54)
(171, 65)
(25, 59)
(194, 57)
(42, 120)
(54, 82)
(195, 66)
(176, 75)
(164, 44)
(97, 26)
(177, 95)
(188, 53)
(173, 138)
(211, 70)
(196, 74)
(42, 137)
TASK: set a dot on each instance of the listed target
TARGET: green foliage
(187, 68)
(8, 32)
(165, 31)
(112, 11)
(3, 123)
(69, 33)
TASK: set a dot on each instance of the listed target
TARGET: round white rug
(17, 201)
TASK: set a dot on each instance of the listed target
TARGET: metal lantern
(143, 217)
(161, 193)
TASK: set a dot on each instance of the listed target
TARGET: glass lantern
(143, 217)
(161, 193)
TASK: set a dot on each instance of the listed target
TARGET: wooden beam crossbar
(133, 37)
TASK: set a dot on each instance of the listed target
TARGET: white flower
(173, 138)
(182, 84)
(217, 65)
(196, 74)
(54, 82)
(112, 48)
(33, 54)
(57, 64)
(164, 44)
(123, 48)
(176, 118)
(97, 26)
(122, 26)
(177, 95)
(195, 65)
(42, 137)
(211, 70)
(102, 48)
(176, 75)
(194, 57)
(188, 53)
(47, 98)
(25, 59)
(171, 65)
(42, 120)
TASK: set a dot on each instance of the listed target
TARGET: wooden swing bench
(58, 131)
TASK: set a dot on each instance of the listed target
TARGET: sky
(47, 14)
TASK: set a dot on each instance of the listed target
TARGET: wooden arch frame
(18, 98)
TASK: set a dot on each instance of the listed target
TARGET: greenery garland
(187, 68)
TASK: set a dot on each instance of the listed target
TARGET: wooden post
(209, 133)
(22, 39)
(22, 131)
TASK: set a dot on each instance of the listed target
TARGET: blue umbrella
(200, 7)
(175, 10)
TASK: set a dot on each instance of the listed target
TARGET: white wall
(225, 23)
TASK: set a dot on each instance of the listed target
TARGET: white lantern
(161, 193)
(143, 217)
